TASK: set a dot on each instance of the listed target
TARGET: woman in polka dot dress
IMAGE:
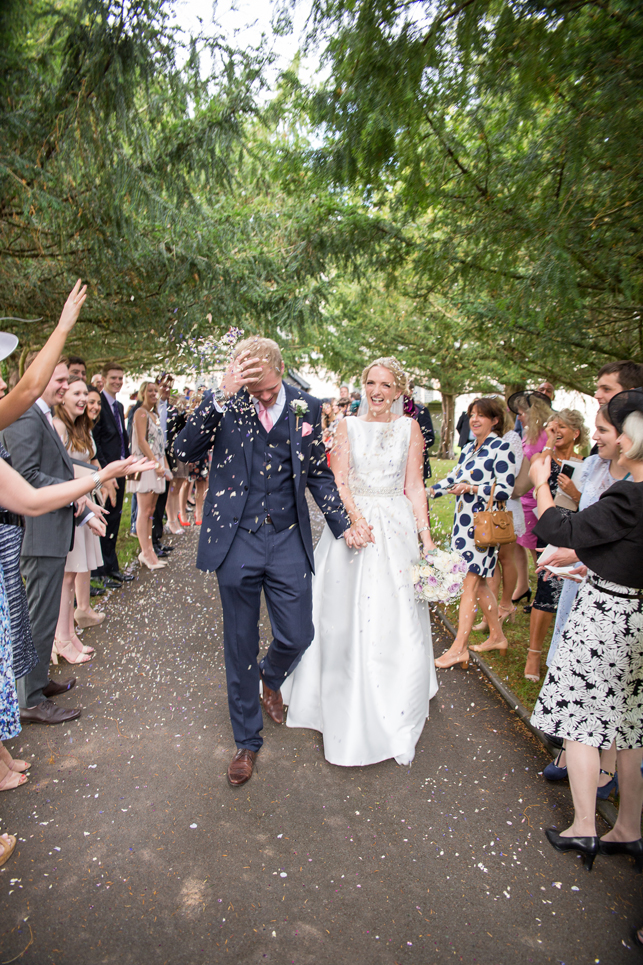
(486, 460)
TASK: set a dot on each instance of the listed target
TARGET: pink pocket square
(306, 429)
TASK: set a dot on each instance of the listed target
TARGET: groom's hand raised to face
(240, 371)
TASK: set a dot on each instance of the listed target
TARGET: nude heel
(446, 660)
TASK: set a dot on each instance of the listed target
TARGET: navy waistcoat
(272, 491)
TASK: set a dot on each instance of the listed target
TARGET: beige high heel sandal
(530, 676)
(14, 765)
(65, 650)
(446, 661)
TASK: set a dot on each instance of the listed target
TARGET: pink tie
(264, 417)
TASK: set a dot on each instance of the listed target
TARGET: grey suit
(38, 454)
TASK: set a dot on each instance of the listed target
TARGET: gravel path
(133, 849)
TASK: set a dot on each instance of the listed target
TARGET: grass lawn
(127, 547)
(510, 668)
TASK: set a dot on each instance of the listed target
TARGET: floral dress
(493, 462)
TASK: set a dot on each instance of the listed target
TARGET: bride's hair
(392, 364)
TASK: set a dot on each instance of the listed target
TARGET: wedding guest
(616, 377)
(176, 419)
(506, 553)
(597, 475)
(98, 382)
(164, 383)
(487, 461)
(17, 652)
(147, 442)
(593, 692)
(567, 436)
(73, 426)
(112, 443)
(422, 416)
(77, 367)
(356, 398)
(546, 388)
(21, 498)
(465, 435)
(39, 457)
(533, 410)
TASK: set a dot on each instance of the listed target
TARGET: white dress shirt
(274, 411)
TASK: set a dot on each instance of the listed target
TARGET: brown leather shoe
(46, 712)
(56, 687)
(273, 703)
(241, 767)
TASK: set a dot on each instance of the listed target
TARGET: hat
(8, 344)
(623, 404)
(526, 398)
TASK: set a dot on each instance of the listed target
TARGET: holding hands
(359, 534)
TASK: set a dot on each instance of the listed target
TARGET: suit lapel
(295, 435)
(49, 428)
(249, 422)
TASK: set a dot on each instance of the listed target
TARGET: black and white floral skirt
(593, 692)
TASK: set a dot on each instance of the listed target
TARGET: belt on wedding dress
(637, 595)
(363, 491)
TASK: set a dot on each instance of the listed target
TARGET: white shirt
(274, 411)
(44, 408)
(162, 411)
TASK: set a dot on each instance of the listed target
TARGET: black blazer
(607, 536)
(230, 435)
(105, 432)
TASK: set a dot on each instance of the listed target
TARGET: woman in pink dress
(533, 410)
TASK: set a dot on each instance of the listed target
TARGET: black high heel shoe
(586, 846)
(527, 594)
(633, 848)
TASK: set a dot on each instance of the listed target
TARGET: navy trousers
(277, 564)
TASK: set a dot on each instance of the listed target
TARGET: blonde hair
(573, 419)
(141, 393)
(265, 349)
(391, 363)
(538, 415)
(633, 429)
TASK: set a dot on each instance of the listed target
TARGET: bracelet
(548, 449)
(423, 530)
(98, 483)
(356, 520)
(536, 488)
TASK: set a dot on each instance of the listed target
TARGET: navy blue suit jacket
(231, 436)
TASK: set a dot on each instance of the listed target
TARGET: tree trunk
(448, 424)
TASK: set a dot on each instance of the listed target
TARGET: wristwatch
(220, 397)
(98, 483)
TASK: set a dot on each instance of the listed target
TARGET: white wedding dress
(367, 678)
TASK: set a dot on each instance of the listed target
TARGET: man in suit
(112, 443)
(164, 409)
(38, 454)
(267, 447)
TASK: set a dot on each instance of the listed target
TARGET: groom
(267, 448)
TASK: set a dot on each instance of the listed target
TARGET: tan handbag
(493, 527)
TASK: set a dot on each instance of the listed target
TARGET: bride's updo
(391, 363)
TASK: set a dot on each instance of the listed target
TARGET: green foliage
(503, 141)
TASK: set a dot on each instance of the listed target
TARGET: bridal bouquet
(438, 578)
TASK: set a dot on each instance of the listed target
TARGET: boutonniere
(300, 408)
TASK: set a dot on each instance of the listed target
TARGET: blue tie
(117, 416)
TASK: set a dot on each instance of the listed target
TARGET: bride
(367, 678)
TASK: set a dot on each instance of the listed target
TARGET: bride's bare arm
(414, 485)
(340, 464)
